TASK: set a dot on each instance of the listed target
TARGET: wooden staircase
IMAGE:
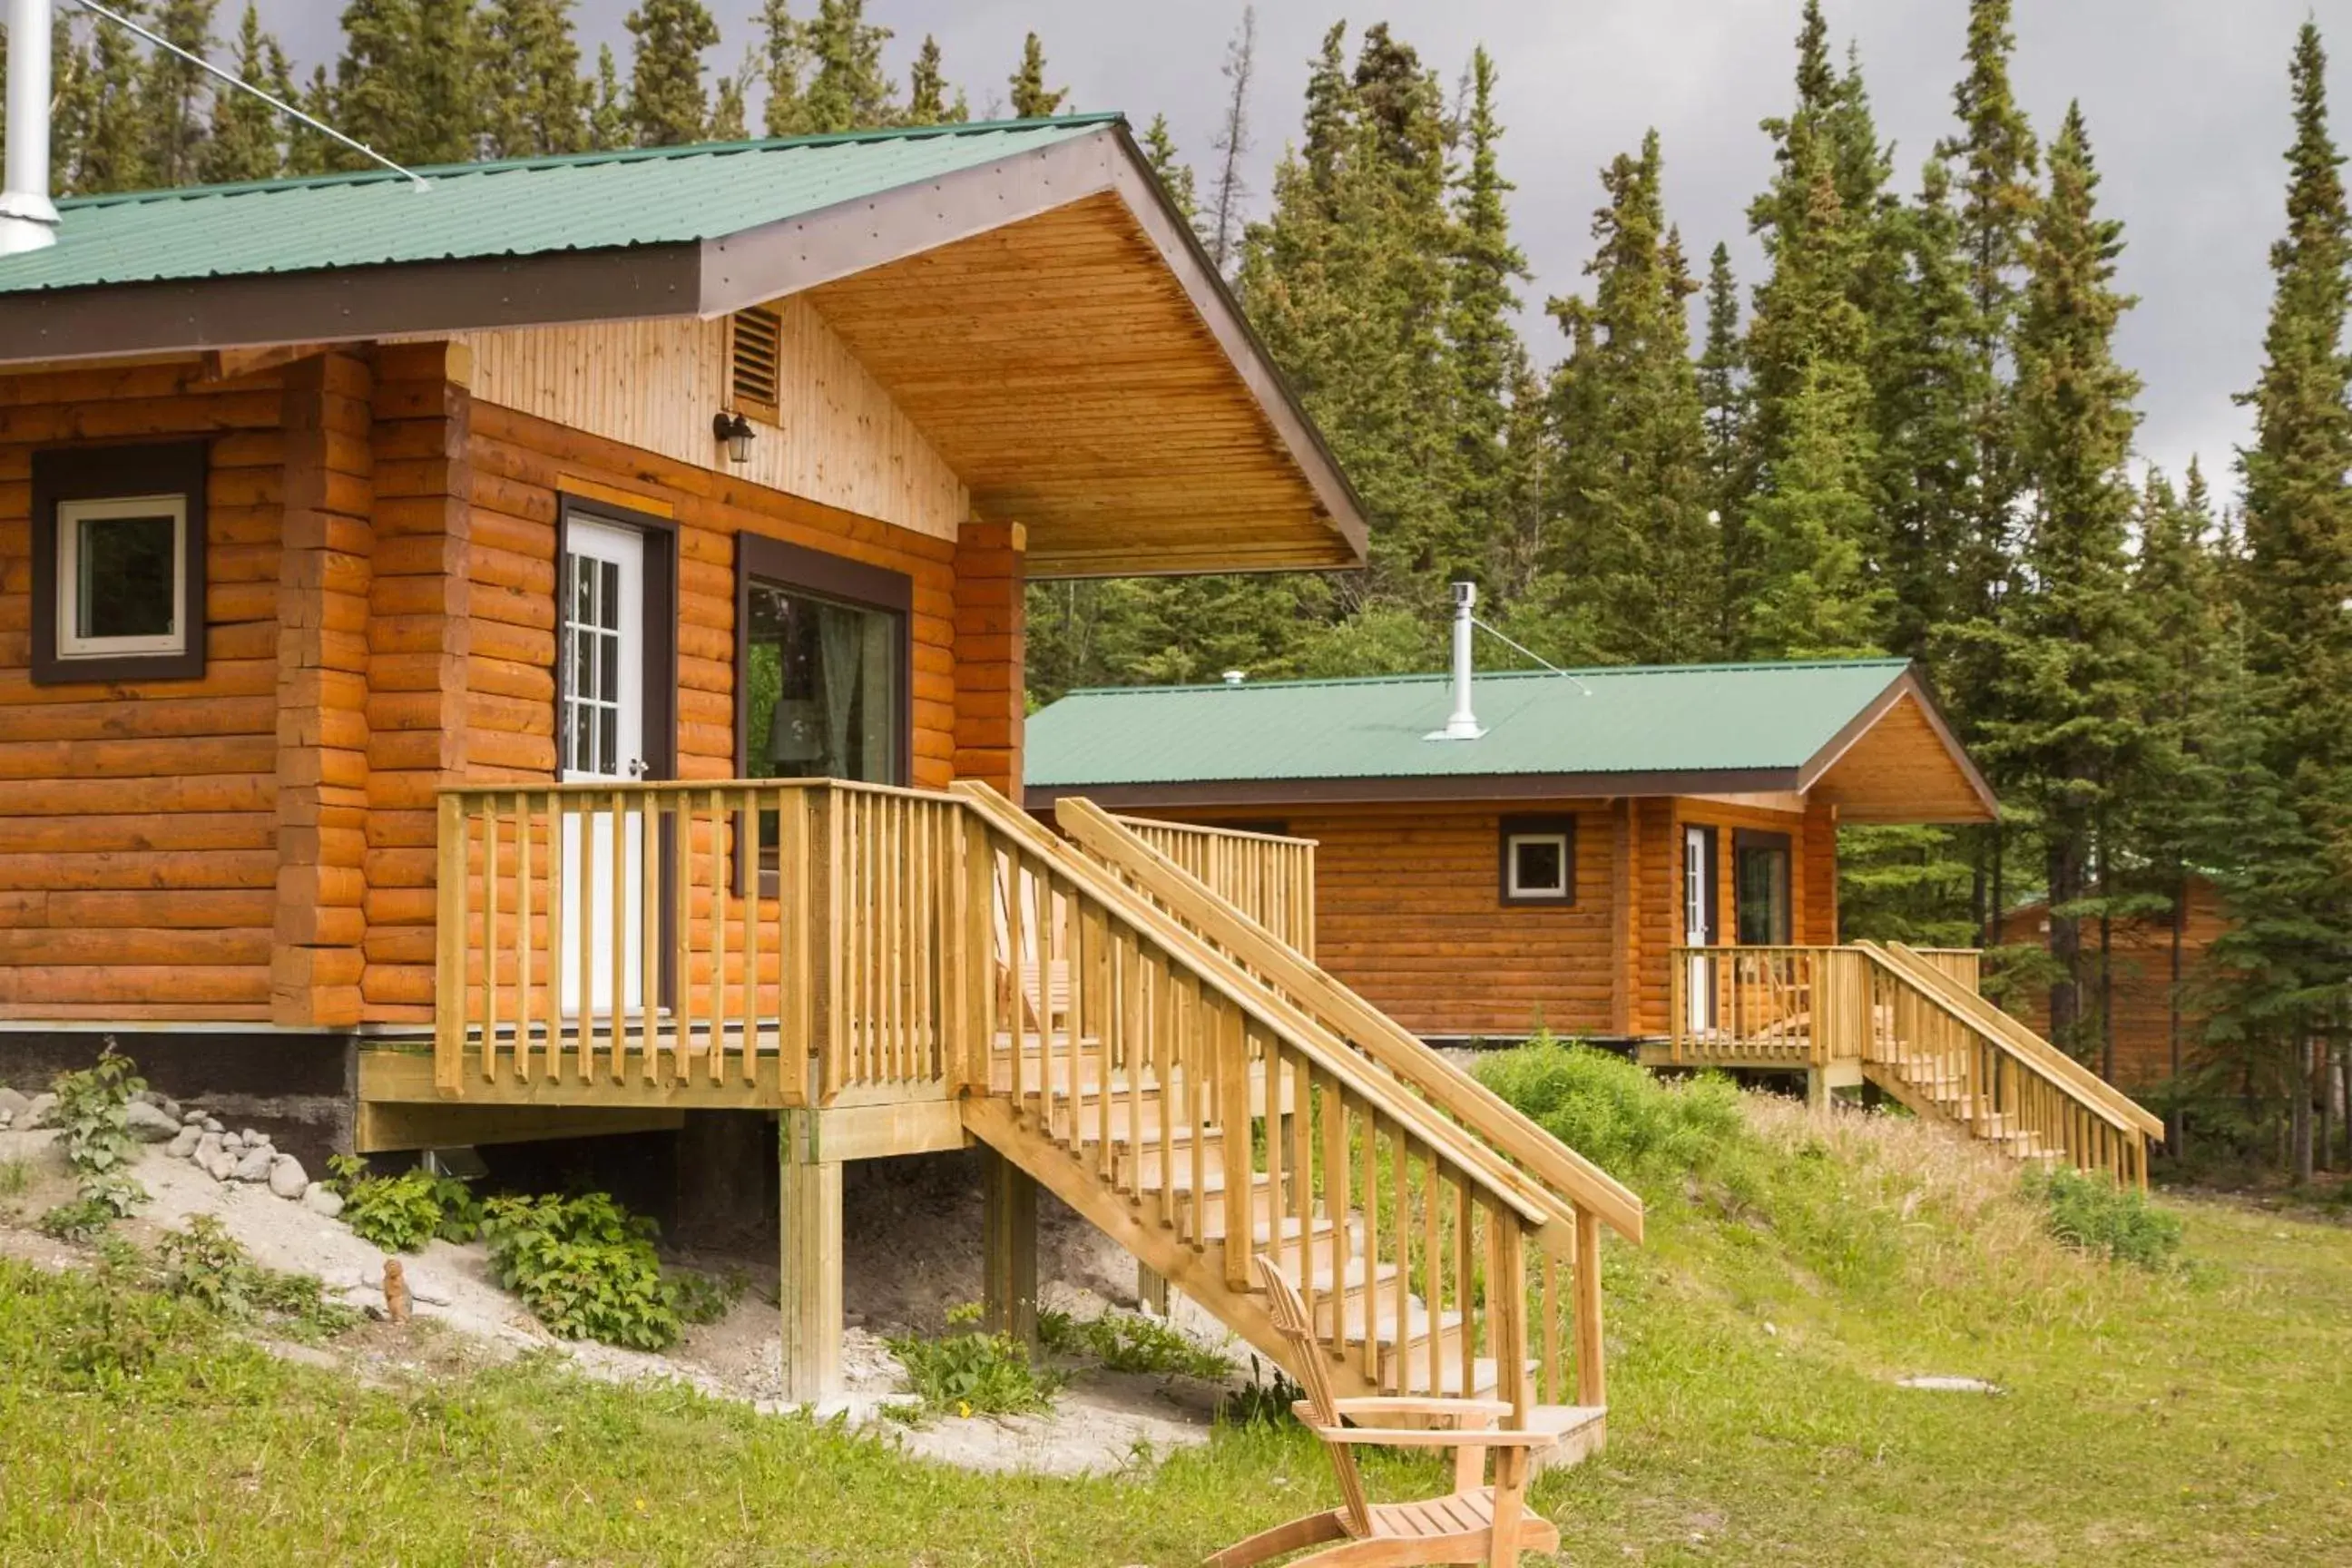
(1952, 1056)
(1201, 1093)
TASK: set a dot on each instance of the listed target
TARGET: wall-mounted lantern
(736, 432)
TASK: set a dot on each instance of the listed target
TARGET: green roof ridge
(1580, 671)
(579, 160)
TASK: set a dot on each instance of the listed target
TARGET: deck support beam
(1009, 1241)
(809, 1283)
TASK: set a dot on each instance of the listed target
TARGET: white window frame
(70, 515)
(1511, 860)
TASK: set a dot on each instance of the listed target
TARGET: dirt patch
(911, 1241)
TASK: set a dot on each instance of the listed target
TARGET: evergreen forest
(1909, 436)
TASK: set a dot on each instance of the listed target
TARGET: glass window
(122, 576)
(1538, 859)
(1761, 873)
(823, 686)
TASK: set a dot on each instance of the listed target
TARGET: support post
(1009, 1227)
(1817, 1088)
(1591, 1375)
(809, 1282)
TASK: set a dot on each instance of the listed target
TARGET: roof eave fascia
(1464, 789)
(352, 304)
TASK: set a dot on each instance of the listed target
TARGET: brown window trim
(1548, 825)
(101, 473)
(760, 559)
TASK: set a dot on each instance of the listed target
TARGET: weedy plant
(1127, 1342)
(93, 1119)
(205, 1265)
(2095, 1215)
(973, 1373)
(402, 1213)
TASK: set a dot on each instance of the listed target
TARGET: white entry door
(603, 639)
(1698, 931)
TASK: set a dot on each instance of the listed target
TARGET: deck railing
(1913, 1021)
(1268, 877)
(1794, 1005)
(793, 938)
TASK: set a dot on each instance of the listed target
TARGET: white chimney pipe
(1462, 724)
(28, 219)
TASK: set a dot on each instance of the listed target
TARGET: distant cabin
(1543, 874)
(2151, 962)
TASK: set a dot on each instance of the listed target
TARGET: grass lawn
(2198, 1416)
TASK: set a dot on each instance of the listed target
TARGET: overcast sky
(2186, 99)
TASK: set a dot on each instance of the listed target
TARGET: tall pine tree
(668, 106)
(534, 100)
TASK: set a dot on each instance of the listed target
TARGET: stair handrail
(1308, 1036)
(1503, 1132)
(2096, 1094)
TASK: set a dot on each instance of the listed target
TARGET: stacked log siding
(139, 821)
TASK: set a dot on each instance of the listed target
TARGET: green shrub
(79, 1220)
(1266, 1400)
(2097, 1216)
(973, 1373)
(700, 1298)
(1125, 1342)
(585, 1268)
(401, 1214)
(206, 1265)
(1636, 1126)
(93, 1119)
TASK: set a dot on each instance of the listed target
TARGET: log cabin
(1646, 857)
(2148, 966)
(535, 650)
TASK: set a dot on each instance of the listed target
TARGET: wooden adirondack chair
(1473, 1524)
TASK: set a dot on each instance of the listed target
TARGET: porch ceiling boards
(1062, 368)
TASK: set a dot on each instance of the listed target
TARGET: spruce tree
(1635, 574)
(1724, 412)
(2065, 725)
(450, 103)
(100, 115)
(1221, 224)
(1484, 345)
(2289, 955)
(841, 54)
(175, 96)
(1174, 174)
(1031, 99)
(1809, 536)
(377, 80)
(608, 108)
(667, 104)
(926, 90)
(246, 142)
(534, 98)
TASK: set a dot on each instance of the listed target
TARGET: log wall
(139, 823)
(258, 846)
(1408, 911)
(2141, 979)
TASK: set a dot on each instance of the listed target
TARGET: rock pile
(187, 1134)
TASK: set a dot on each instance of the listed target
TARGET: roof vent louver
(755, 361)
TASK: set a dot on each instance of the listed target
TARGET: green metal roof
(1625, 720)
(596, 201)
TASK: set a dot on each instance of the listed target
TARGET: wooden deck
(895, 971)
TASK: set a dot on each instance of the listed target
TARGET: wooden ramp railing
(1913, 1021)
(1188, 1096)
(1268, 877)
